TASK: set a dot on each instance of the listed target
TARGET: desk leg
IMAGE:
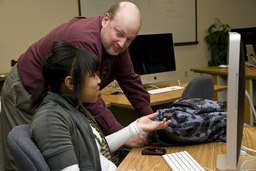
(248, 114)
(215, 80)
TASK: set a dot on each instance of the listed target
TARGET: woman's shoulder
(51, 115)
(55, 107)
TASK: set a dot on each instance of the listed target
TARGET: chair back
(200, 87)
(26, 154)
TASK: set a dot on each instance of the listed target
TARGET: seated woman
(65, 132)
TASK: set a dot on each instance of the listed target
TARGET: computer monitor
(248, 36)
(153, 57)
(235, 99)
(235, 105)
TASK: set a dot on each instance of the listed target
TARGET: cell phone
(153, 151)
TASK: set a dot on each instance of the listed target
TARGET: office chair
(24, 151)
(200, 87)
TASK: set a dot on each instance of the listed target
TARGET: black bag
(194, 120)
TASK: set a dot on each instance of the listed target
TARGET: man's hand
(137, 141)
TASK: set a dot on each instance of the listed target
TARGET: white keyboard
(182, 161)
(165, 89)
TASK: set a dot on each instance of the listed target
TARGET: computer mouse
(115, 92)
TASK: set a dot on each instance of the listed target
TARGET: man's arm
(136, 94)
(130, 82)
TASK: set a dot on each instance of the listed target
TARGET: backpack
(194, 120)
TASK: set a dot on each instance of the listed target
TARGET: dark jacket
(60, 129)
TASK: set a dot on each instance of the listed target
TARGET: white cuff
(134, 128)
(71, 168)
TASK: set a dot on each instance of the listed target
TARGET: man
(108, 37)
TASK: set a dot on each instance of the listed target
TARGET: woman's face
(90, 89)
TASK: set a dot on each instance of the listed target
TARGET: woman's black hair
(64, 60)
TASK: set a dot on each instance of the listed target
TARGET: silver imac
(232, 160)
(153, 57)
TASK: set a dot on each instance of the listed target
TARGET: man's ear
(69, 82)
(105, 19)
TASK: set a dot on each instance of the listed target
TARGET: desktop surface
(250, 72)
(120, 100)
(205, 154)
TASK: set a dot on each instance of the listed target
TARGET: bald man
(108, 37)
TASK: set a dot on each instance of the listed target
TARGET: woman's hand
(146, 124)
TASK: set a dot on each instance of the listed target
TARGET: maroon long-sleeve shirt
(83, 32)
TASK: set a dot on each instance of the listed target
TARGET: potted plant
(217, 39)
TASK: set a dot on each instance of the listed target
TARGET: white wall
(236, 13)
(24, 22)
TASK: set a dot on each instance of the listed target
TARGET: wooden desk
(156, 99)
(219, 73)
(250, 73)
(2, 79)
(3, 76)
(205, 154)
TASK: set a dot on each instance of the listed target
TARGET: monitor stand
(250, 165)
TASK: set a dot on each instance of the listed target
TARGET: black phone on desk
(153, 151)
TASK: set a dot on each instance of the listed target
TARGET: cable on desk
(248, 149)
(244, 153)
(251, 103)
(241, 168)
(178, 81)
(207, 169)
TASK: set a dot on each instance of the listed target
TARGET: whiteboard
(158, 16)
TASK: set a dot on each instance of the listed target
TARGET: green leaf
(217, 40)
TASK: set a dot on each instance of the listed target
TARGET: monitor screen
(248, 37)
(235, 103)
(153, 57)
